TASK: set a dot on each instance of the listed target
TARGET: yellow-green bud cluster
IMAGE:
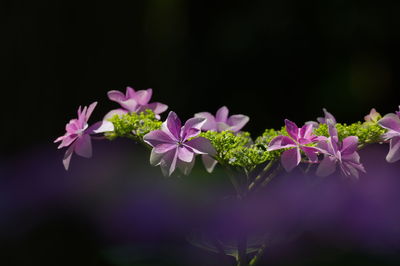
(366, 132)
(134, 125)
(238, 150)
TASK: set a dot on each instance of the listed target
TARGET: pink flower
(176, 146)
(372, 117)
(322, 120)
(298, 140)
(339, 153)
(134, 102)
(328, 116)
(78, 134)
(220, 122)
(392, 123)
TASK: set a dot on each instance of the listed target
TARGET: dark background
(270, 60)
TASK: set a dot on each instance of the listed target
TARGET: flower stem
(259, 178)
(259, 254)
(271, 176)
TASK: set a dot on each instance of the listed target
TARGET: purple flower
(328, 116)
(372, 117)
(134, 102)
(298, 140)
(220, 122)
(339, 153)
(78, 134)
(392, 123)
(322, 120)
(175, 146)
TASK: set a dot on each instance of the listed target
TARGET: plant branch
(260, 176)
(259, 255)
(271, 176)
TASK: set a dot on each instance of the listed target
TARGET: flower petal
(210, 123)
(185, 167)
(143, 96)
(82, 117)
(158, 137)
(352, 157)
(172, 125)
(306, 131)
(373, 116)
(394, 152)
(116, 96)
(327, 166)
(333, 131)
(72, 126)
(281, 142)
(222, 114)
(67, 140)
(390, 134)
(209, 162)
(221, 126)
(130, 93)
(156, 107)
(155, 157)
(163, 148)
(184, 154)
(100, 127)
(328, 116)
(292, 129)
(353, 169)
(168, 162)
(311, 153)
(192, 127)
(90, 110)
(237, 122)
(312, 123)
(332, 146)
(323, 145)
(390, 121)
(67, 156)
(290, 159)
(201, 145)
(349, 145)
(83, 146)
(114, 112)
(130, 104)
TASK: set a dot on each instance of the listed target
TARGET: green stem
(271, 176)
(260, 177)
(259, 255)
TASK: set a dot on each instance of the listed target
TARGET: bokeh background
(269, 60)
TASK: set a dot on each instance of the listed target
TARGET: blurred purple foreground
(115, 209)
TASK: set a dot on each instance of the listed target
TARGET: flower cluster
(219, 139)
(324, 146)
